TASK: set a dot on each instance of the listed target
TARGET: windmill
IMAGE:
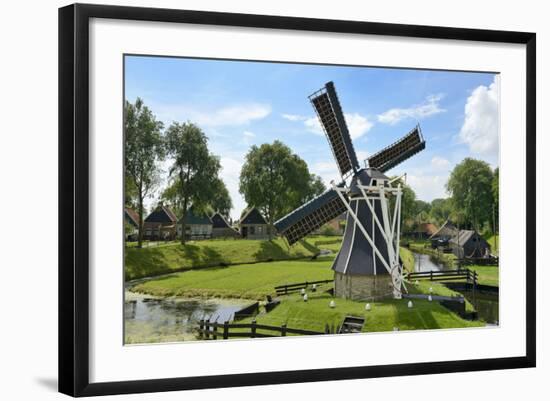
(367, 265)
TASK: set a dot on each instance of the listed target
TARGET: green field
(253, 281)
(486, 275)
(384, 316)
(174, 257)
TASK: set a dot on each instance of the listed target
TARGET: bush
(328, 230)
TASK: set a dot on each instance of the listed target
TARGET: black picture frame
(74, 200)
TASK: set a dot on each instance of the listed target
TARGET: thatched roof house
(446, 231)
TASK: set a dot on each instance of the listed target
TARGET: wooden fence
(212, 330)
(445, 275)
(288, 288)
(492, 261)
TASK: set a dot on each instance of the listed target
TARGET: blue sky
(241, 103)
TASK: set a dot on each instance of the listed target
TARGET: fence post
(201, 328)
(253, 329)
(225, 330)
(207, 329)
(283, 330)
(431, 276)
(215, 327)
(327, 329)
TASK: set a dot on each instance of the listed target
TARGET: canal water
(486, 303)
(148, 319)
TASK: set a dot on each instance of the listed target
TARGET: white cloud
(480, 129)
(428, 187)
(249, 134)
(440, 163)
(327, 170)
(428, 108)
(231, 115)
(358, 125)
(313, 125)
(293, 117)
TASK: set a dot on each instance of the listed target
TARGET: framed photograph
(252, 199)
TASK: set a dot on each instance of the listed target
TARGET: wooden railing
(288, 288)
(213, 330)
(492, 261)
(445, 275)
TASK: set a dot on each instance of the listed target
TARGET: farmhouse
(221, 229)
(253, 225)
(445, 232)
(469, 244)
(197, 225)
(424, 230)
(160, 224)
(131, 218)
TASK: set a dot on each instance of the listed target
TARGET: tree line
(473, 188)
(273, 179)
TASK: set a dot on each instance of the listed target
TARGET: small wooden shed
(469, 244)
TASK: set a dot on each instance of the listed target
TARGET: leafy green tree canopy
(470, 187)
(194, 169)
(143, 148)
(276, 181)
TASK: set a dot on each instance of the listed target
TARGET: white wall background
(28, 198)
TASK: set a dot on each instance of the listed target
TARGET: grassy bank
(408, 259)
(425, 247)
(239, 281)
(486, 275)
(176, 257)
(384, 316)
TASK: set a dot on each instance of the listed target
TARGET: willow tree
(143, 149)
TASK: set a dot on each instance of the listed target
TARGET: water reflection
(485, 303)
(171, 319)
(426, 263)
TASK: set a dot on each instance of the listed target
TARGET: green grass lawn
(173, 256)
(384, 316)
(253, 281)
(486, 275)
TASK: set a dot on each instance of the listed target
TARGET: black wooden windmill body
(367, 265)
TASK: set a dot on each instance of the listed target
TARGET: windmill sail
(326, 104)
(398, 152)
(310, 216)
